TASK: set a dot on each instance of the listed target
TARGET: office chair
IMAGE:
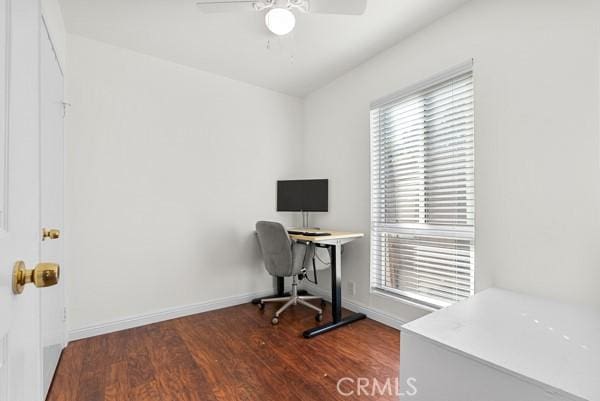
(284, 258)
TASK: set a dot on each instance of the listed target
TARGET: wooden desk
(335, 235)
(333, 243)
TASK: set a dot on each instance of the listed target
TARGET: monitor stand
(305, 222)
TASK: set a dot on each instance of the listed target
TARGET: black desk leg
(335, 252)
(280, 292)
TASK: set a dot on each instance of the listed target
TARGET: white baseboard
(186, 310)
(372, 313)
(162, 315)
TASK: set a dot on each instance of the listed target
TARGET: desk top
(544, 341)
(335, 235)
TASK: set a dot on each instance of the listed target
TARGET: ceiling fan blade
(348, 7)
(226, 6)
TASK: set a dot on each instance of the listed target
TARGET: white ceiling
(321, 48)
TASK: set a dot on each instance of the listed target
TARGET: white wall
(537, 143)
(168, 169)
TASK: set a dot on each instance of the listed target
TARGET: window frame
(458, 232)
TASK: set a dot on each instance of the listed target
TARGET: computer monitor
(303, 196)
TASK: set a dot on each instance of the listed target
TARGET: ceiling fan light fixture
(280, 21)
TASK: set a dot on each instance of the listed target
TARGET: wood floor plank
(295, 368)
(139, 369)
(91, 386)
(67, 378)
(236, 361)
(176, 370)
(117, 383)
(232, 354)
(146, 392)
(331, 366)
(92, 382)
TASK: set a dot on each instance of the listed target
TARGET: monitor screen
(303, 195)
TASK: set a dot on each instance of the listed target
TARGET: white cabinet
(503, 346)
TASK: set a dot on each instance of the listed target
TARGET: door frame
(45, 30)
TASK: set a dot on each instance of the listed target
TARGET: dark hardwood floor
(229, 354)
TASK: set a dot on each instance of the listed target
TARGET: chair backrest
(275, 245)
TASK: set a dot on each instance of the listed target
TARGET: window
(422, 191)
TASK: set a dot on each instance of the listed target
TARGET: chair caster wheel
(274, 321)
(261, 306)
(319, 317)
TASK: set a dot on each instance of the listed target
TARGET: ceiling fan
(279, 16)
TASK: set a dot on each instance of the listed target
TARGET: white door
(51, 114)
(20, 359)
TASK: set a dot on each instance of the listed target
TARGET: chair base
(293, 299)
(257, 301)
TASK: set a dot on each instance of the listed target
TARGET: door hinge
(65, 105)
(64, 314)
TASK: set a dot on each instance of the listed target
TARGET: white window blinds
(422, 195)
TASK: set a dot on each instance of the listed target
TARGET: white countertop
(555, 344)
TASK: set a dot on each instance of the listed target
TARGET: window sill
(403, 300)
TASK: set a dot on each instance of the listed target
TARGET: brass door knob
(44, 275)
(50, 233)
